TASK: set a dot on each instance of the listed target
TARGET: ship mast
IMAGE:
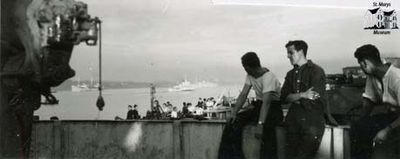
(152, 95)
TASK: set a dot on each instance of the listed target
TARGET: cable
(100, 101)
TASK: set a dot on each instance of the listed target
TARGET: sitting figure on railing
(129, 114)
(382, 92)
(135, 112)
(266, 112)
(185, 111)
(191, 108)
(174, 113)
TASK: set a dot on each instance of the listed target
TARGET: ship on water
(186, 85)
(80, 87)
(83, 87)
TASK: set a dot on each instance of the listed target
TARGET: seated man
(135, 112)
(382, 90)
(174, 113)
(129, 115)
(267, 111)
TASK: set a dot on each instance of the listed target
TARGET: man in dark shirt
(135, 112)
(129, 115)
(185, 110)
(303, 87)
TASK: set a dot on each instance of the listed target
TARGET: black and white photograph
(200, 79)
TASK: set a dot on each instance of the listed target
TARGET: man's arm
(309, 94)
(396, 123)
(316, 90)
(367, 108)
(241, 99)
(382, 134)
(293, 97)
(286, 89)
(266, 103)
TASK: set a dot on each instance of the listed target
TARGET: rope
(100, 53)
(100, 102)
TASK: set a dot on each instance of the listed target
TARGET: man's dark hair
(298, 45)
(369, 52)
(251, 59)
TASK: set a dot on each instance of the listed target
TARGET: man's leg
(231, 141)
(293, 137)
(293, 134)
(312, 126)
(303, 145)
(269, 141)
(363, 132)
(310, 142)
(388, 149)
(304, 133)
(225, 147)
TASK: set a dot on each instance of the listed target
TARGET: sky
(169, 40)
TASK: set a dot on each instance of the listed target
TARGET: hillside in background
(66, 86)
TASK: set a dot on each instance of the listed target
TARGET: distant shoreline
(66, 86)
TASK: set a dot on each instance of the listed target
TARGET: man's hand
(310, 94)
(381, 136)
(232, 119)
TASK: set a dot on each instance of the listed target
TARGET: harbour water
(82, 105)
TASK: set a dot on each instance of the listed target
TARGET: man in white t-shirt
(382, 90)
(266, 112)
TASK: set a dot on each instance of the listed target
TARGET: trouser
(305, 128)
(363, 132)
(231, 142)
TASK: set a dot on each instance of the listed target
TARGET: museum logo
(381, 19)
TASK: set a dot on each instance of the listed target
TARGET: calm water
(82, 105)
